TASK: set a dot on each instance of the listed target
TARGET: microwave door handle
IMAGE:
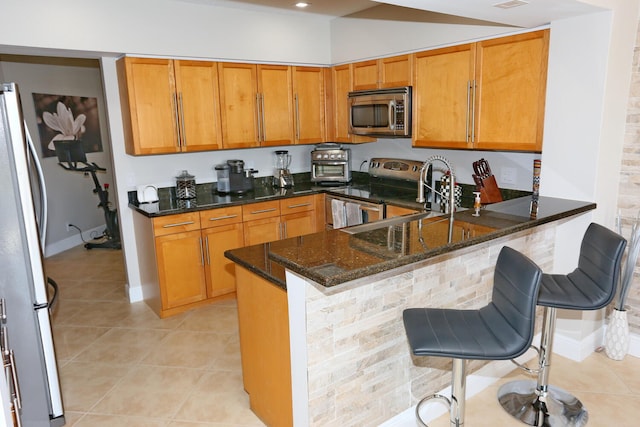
(392, 115)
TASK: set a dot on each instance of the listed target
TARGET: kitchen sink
(391, 222)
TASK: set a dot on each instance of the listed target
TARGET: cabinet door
(220, 271)
(262, 231)
(309, 105)
(365, 75)
(442, 97)
(275, 105)
(395, 71)
(298, 224)
(392, 211)
(511, 88)
(341, 79)
(238, 104)
(180, 261)
(148, 98)
(198, 105)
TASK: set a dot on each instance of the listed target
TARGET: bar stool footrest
(425, 400)
(554, 408)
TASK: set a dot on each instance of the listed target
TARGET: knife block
(489, 191)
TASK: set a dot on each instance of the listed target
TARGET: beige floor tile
(121, 345)
(84, 384)
(150, 391)
(94, 420)
(71, 340)
(216, 317)
(188, 349)
(218, 397)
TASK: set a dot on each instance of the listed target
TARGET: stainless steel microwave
(381, 112)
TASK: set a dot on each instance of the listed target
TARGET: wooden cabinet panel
(263, 319)
(276, 105)
(148, 99)
(238, 104)
(392, 211)
(341, 85)
(395, 71)
(381, 73)
(511, 89)
(198, 99)
(488, 95)
(260, 210)
(220, 216)
(262, 231)
(365, 75)
(298, 224)
(442, 97)
(170, 224)
(220, 271)
(309, 105)
(180, 273)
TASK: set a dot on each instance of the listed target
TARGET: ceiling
(531, 13)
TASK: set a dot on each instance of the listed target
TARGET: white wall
(165, 28)
(70, 194)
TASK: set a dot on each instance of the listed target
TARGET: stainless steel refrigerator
(23, 282)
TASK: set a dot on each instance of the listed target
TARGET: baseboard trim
(72, 241)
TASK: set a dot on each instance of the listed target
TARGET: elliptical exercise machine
(72, 153)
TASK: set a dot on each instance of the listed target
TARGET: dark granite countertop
(337, 256)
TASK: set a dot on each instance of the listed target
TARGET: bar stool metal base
(554, 408)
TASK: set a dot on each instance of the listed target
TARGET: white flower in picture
(62, 121)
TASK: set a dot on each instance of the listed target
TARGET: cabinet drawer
(176, 223)
(297, 204)
(221, 216)
(260, 210)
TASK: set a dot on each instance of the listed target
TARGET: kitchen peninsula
(321, 315)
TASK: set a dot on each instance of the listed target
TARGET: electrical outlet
(68, 226)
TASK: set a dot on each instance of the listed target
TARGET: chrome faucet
(422, 182)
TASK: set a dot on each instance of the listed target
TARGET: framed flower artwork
(66, 118)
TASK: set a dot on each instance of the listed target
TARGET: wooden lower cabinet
(392, 211)
(263, 319)
(180, 271)
(220, 271)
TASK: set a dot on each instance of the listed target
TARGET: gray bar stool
(591, 286)
(501, 330)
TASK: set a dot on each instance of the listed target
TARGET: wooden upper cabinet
(169, 106)
(442, 97)
(341, 85)
(395, 71)
(488, 95)
(148, 101)
(276, 105)
(511, 79)
(198, 104)
(238, 104)
(309, 104)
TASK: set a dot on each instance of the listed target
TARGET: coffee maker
(240, 180)
(281, 176)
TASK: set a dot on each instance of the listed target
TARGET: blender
(281, 176)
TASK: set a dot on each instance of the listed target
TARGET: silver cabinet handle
(3, 310)
(297, 107)
(176, 125)
(257, 118)
(218, 218)
(177, 224)
(263, 211)
(206, 247)
(183, 133)
(201, 253)
(467, 136)
(473, 113)
(299, 205)
(263, 124)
